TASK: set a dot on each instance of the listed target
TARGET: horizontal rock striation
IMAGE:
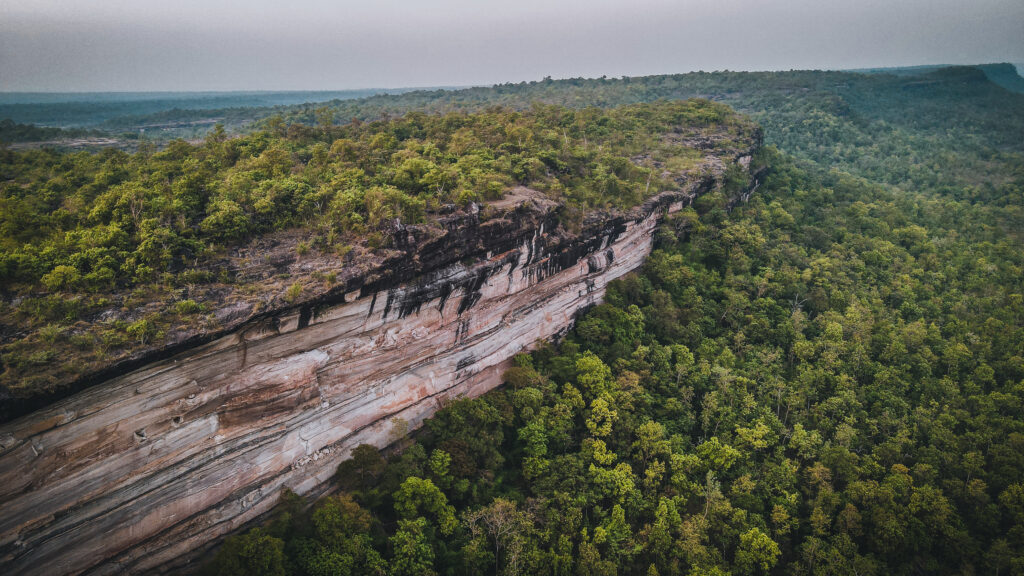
(138, 472)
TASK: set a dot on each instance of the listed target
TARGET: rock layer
(140, 471)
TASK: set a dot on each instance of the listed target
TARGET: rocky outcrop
(137, 472)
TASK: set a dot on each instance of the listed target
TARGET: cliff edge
(166, 452)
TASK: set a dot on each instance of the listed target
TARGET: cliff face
(134, 473)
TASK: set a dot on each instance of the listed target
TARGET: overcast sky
(99, 45)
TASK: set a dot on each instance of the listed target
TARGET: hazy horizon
(1018, 66)
(319, 45)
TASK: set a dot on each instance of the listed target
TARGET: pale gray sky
(99, 45)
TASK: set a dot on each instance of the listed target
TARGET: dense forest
(826, 380)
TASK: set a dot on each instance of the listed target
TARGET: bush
(62, 278)
(185, 307)
(145, 331)
(294, 293)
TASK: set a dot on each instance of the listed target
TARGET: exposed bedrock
(141, 471)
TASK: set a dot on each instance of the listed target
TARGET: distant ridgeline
(882, 126)
(97, 108)
(1004, 74)
(163, 115)
(887, 125)
(167, 114)
(12, 132)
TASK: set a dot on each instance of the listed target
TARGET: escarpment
(137, 472)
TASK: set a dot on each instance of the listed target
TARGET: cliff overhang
(162, 454)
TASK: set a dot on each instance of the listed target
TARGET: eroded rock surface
(142, 470)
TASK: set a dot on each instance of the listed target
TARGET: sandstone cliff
(139, 471)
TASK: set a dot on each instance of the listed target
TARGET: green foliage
(188, 306)
(143, 330)
(757, 553)
(418, 496)
(124, 217)
(62, 277)
(333, 539)
(940, 130)
(254, 553)
(293, 293)
(413, 554)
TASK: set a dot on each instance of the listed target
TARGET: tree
(255, 553)
(226, 221)
(757, 553)
(507, 528)
(602, 417)
(593, 375)
(664, 531)
(417, 496)
(616, 536)
(413, 555)
(362, 469)
(324, 116)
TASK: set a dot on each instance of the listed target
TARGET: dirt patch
(520, 194)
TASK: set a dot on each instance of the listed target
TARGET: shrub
(184, 307)
(144, 330)
(62, 278)
(294, 293)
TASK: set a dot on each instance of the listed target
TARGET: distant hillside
(767, 95)
(874, 125)
(878, 126)
(1004, 74)
(11, 132)
(120, 109)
